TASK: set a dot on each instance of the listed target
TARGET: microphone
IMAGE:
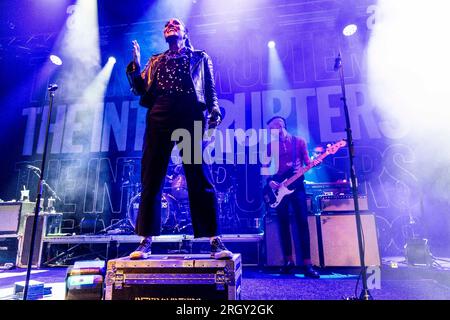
(337, 62)
(35, 169)
(51, 190)
(52, 87)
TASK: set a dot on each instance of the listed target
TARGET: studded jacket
(202, 75)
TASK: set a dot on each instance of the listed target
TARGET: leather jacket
(202, 76)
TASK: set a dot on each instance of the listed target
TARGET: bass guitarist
(292, 155)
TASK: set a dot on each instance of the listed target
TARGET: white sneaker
(219, 251)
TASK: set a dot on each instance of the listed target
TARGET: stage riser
(111, 247)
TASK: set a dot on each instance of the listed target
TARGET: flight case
(174, 277)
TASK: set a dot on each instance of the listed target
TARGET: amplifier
(342, 203)
(16, 225)
(327, 187)
(339, 240)
(25, 241)
(333, 240)
(11, 216)
(8, 249)
(274, 254)
(48, 223)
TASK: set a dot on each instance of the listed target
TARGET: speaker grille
(9, 217)
(340, 240)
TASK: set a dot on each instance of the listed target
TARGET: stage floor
(399, 283)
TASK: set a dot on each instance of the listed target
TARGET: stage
(402, 283)
(326, 149)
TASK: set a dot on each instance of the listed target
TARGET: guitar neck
(303, 170)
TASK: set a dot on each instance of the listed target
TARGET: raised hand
(136, 52)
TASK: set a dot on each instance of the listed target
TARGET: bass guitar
(273, 196)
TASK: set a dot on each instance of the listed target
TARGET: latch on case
(119, 279)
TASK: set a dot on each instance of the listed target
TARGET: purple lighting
(55, 60)
(271, 44)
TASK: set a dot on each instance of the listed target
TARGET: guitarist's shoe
(288, 268)
(309, 272)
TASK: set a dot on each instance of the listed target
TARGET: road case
(174, 277)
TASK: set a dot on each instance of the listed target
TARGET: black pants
(167, 114)
(298, 201)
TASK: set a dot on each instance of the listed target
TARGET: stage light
(55, 60)
(80, 42)
(276, 74)
(349, 30)
(96, 90)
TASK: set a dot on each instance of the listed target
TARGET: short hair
(277, 117)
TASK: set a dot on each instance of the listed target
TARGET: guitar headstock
(336, 146)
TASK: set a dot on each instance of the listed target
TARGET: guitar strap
(295, 157)
(294, 151)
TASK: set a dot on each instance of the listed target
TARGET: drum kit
(175, 214)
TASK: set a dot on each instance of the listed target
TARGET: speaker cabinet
(333, 240)
(274, 253)
(10, 216)
(8, 249)
(339, 240)
(25, 241)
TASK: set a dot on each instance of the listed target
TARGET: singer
(176, 86)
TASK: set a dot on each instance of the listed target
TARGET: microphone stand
(365, 294)
(51, 190)
(45, 184)
(51, 89)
